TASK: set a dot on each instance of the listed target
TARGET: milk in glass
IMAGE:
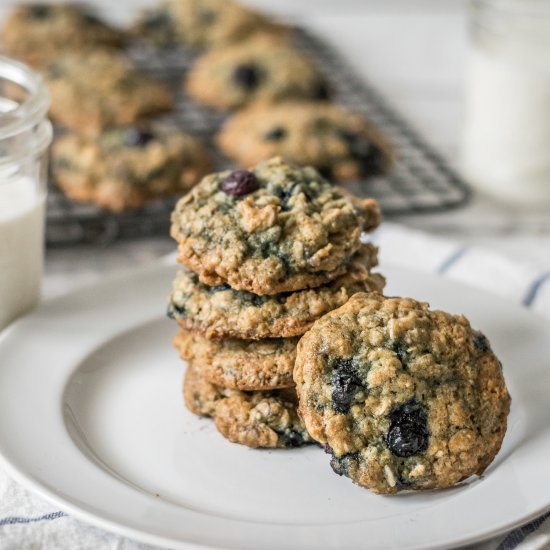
(25, 134)
(21, 246)
(506, 145)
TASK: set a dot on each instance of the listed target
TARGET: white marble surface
(415, 51)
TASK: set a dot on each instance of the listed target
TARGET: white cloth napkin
(28, 523)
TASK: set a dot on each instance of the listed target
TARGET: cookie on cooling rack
(401, 396)
(276, 228)
(126, 167)
(38, 33)
(255, 419)
(201, 24)
(221, 312)
(259, 68)
(93, 91)
(340, 144)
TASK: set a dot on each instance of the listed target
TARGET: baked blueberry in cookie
(277, 133)
(342, 145)
(275, 228)
(401, 396)
(345, 383)
(408, 433)
(239, 183)
(137, 137)
(247, 76)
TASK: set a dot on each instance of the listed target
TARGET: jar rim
(32, 110)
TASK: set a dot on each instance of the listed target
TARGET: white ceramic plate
(91, 418)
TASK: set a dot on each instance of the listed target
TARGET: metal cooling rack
(420, 181)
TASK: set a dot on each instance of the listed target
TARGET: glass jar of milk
(25, 135)
(506, 146)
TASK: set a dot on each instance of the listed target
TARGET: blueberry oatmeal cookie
(401, 396)
(39, 33)
(201, 24)
(93, 91)
(221, 312)
(340, 144)
(260, 68)
(255, 419)
(126, 167)
(240, 364)
(276, 228)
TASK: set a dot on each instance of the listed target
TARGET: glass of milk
(25, 135)
(506, 140)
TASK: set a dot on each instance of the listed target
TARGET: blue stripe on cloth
(46, 517)
(453, 258)
(517, 536)
(536, 285)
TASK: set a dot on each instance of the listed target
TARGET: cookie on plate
(248, 365)
(126, 167)
(255, 419)
(221, 312)
(401, 396)
(93, 91)
(39, 33)
(275, 228)
(342, 145)
(259, 68)
(201, 24)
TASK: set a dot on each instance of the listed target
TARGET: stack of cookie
(266, 253)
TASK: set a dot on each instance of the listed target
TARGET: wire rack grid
(420, 181)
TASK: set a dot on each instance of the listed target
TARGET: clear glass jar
(25, 134)
(506, 139)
